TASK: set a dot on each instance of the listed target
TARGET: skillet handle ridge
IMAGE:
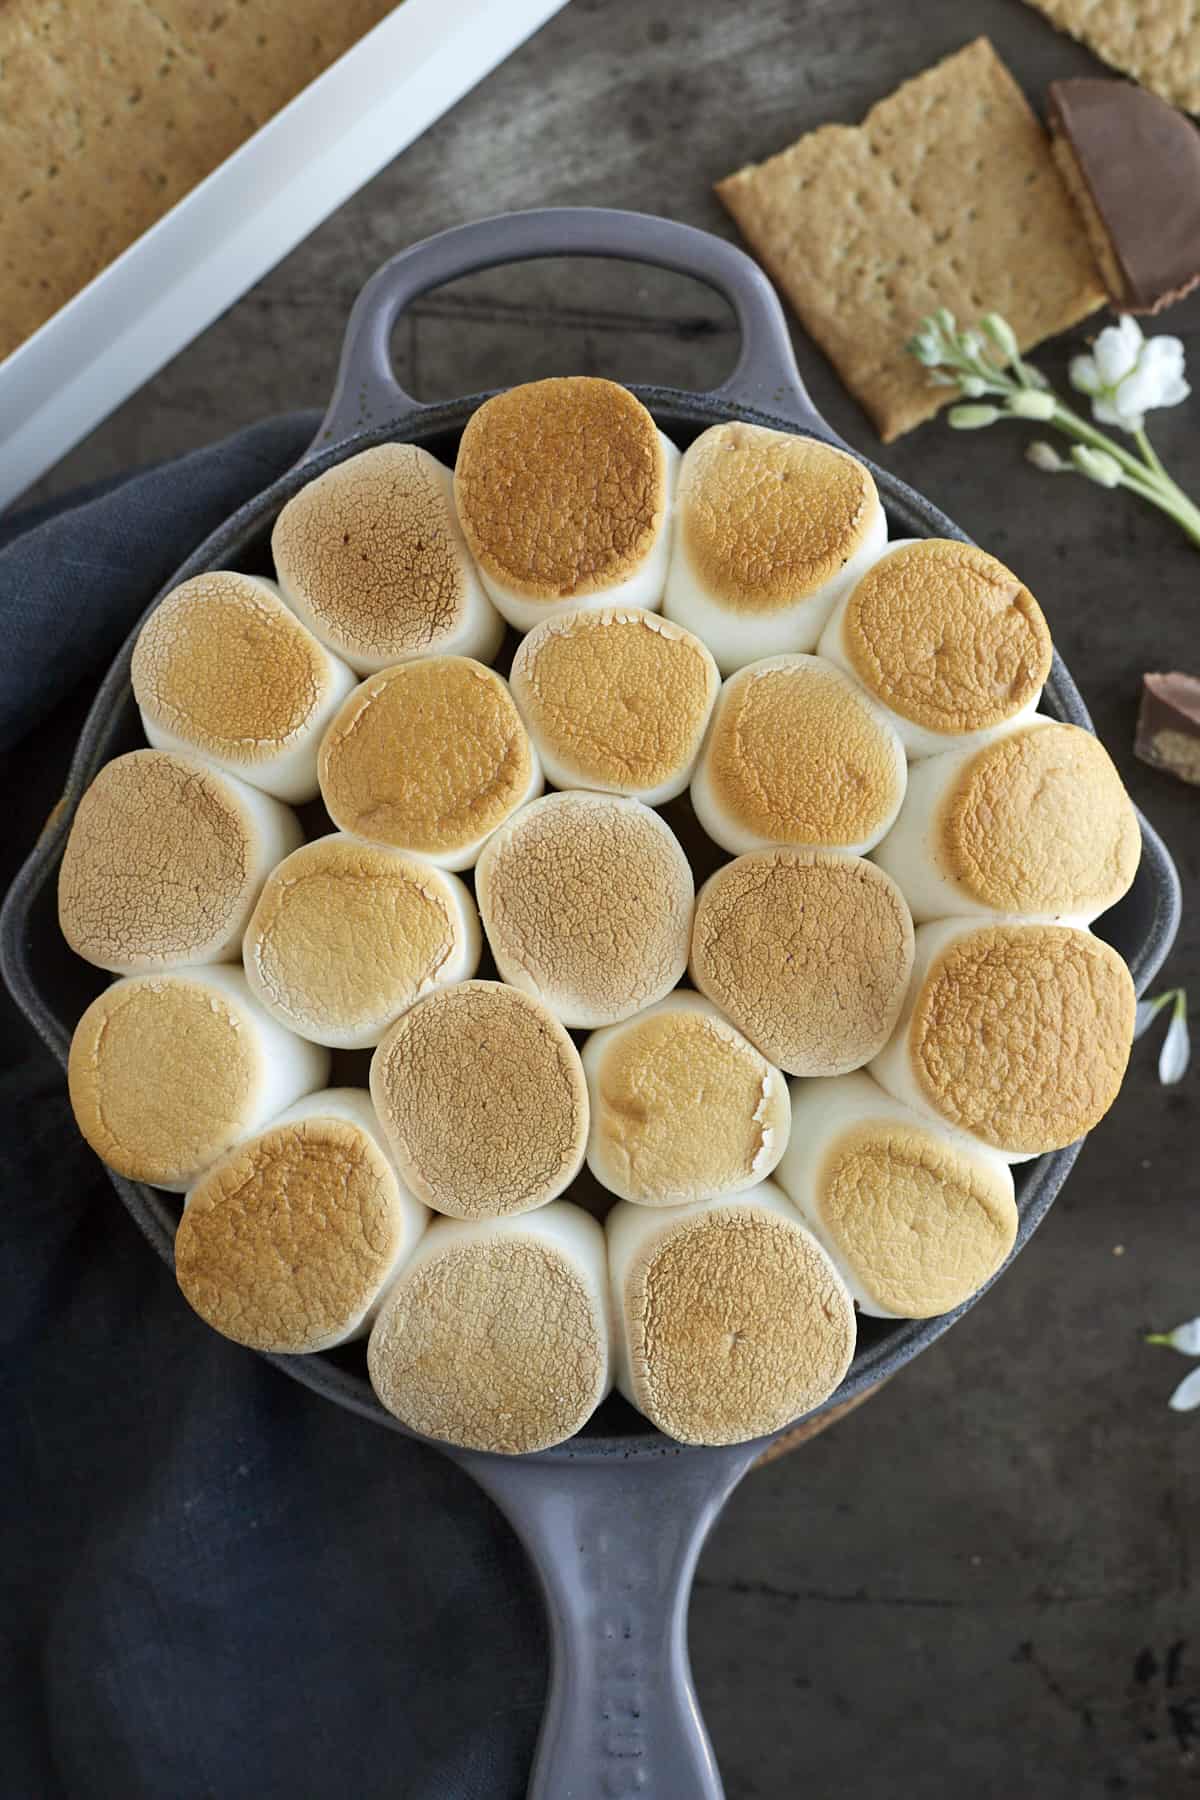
(367, 395)
(614, 1542)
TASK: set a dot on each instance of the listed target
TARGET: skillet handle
(614, 1542)
(367, 396)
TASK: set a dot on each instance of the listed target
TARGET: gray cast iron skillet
(614, 1520)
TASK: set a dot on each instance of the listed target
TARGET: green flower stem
(1151, 482)
(1151, 456)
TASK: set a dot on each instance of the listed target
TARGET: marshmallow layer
(291, 1242)
(168, 1071)
(429, 757)
(915, 1218)
(346, 936)
(166, 858)
(945, 638)
(1035, 825)
(586, 900)
(1017, 1035)
(223, 669)
(371, 556)
(796, 754)
(808, 953)
(682, 1106)
(565, 489)
(497, 1335)
(730, 1320)
(615, 700)
(771, 530)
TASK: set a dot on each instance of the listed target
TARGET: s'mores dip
(653, 1081)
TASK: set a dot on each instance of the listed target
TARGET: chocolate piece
(1132, 165)
(1168, 727)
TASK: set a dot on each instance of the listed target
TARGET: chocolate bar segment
(1132, 165)
(1168, 727)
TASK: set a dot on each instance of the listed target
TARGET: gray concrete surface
(984, 1581)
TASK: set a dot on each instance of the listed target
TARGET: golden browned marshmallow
(1034, 824)
(167, 1072)
(224, 669)
(165, 860)
(497, 1336)
(291, 1242)
(564, 489)
(431, 757)
(616, 701)
(809, 953)
(347, 935)
(372, 558)
(482, 1095)
(730, 1320)
(1015, 1034)
(682, 1107)
(770, 531)
(944, 637)
(587, 903)
(796, 754)
(916, 1218)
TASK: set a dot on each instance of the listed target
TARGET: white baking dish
(223, 236)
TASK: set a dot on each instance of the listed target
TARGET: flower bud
(1097, 465)
(1045, 457)
(944, 319)
(1003, 337)
(973, 386)
(971, 418)
(1028, 404)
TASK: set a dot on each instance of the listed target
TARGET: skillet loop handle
(614, 1543)
(367, 396)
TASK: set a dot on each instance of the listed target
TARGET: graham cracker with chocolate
(1155, 41)
(111, 110)
(945, 195)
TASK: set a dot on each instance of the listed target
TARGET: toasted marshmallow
(1017, 1035)
(167, 1072)
(1035, 825)
(946, 639)
(770, 531)
(483, 1098)
(797, 755)
(371, 556)
(430, 757)
(292, 1241)
(730, 1320)
(223, 669)
(165, 860)
(808, 953)
(915, 1218)
(347, 935)
(564, 489)
(586, 900)
(616, 700)
(497, 1334)
(682, 1107)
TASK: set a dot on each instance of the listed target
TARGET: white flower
(1127, 374)
(1176, 1051)
(1185, 1339)
(1187, 1394)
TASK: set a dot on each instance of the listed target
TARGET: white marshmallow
(991, 639)
(223, 669)
(730, 1320)
(167, 1072)
(497, 1335)
(797, 757)
(682, 1106)
(347, 935)
(372, 557)
(916, 1217)
(771, 530)
(1036, 825)
(292, 1242)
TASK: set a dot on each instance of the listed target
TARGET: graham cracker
(946, 195)
(1155, 41)
(110, 113)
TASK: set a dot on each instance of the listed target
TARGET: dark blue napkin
(214, 1583)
